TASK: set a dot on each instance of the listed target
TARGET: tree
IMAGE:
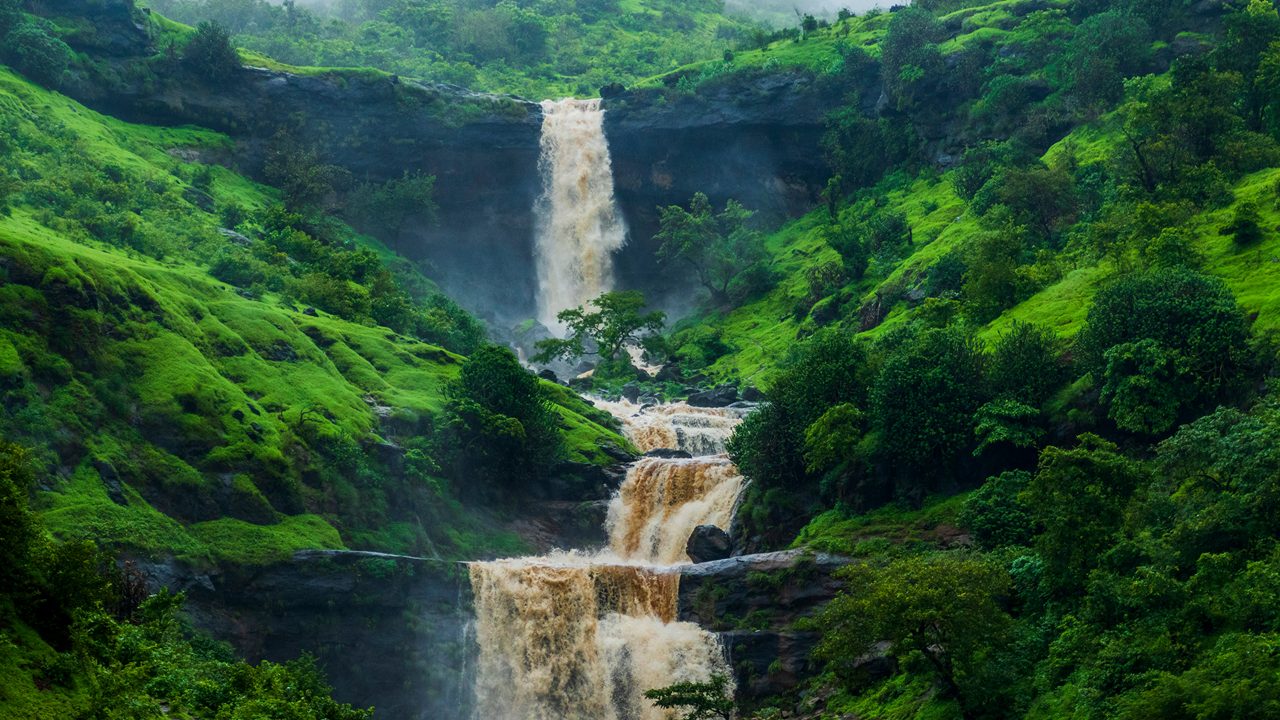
(700, 701)
(502, 426)
(1106, 48)
(725, 252)
(210, 54)
(923, 403)
(991, 283)
(910, 56)
(384, 208)
(943, 607)
(1079, 497)
(17, 524)
(1145, 386)
(996, 513)
(618, 320)
(1245, 226)
(1024, 365)
(36, 53)
(1183, 311)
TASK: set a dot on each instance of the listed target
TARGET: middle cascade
(572, 636)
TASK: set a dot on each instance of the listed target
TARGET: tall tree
(726, 253)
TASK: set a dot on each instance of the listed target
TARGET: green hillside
(177, 413)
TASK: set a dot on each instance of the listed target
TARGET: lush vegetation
(223, 371)
(1028, 384)
(542, 49)
(81, 637)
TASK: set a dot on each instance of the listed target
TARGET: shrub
(1180, 310)
(210, 54)
(36, 54)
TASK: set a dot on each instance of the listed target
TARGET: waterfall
(579, 224)
(574, 636)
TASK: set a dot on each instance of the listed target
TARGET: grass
(841, 533)
(138, 371)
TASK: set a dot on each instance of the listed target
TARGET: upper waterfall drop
(579, 223)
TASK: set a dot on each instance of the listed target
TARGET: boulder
(631, 391)
(708, 543)
(719, 397)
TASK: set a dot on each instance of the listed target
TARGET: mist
(783, 12)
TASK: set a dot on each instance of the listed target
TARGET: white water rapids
(579, 223)
(574, 636)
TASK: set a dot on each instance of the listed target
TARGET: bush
(1245, 226)
(1181, 311)
(210, 54)
(36, 54)
(502, 428)
(996, 513)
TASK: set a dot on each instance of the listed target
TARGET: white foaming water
(579, 224)
(573, 636)
(679, 426)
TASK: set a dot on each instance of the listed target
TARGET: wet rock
(752, 394)
(549, 375)
(719, 397)
(111, 481)
(668, 373)
(631, 391)
(668, 454)
(390, 630)
(708, 543)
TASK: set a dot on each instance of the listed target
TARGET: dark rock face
(389, 630)
(752, 602)
(753, 138)
(719, 397)
(708, 543)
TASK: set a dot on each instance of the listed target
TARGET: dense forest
(1010, 367)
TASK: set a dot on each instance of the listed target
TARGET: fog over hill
(783, 12)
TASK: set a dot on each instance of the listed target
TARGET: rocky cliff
(754, 137)
(394, 631)
(750, 136)
(389, 631)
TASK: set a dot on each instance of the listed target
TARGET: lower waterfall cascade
(578, 636)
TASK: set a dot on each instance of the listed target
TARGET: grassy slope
(761, 332)
(195, 359)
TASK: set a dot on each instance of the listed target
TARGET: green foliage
(941, 608)
(923, 402)
(210, 55)
(1245, 226)
(1006, 423)
(910, 56)
(1145, 386)
(501, 428)
(699, 701)
(1078, 496)
(1024, 365)
(534, 49)
(1197, 341)
(825, 372)
(30, 48)
(997, 514)
(618, 320)
(383, 209)
(725, 253)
